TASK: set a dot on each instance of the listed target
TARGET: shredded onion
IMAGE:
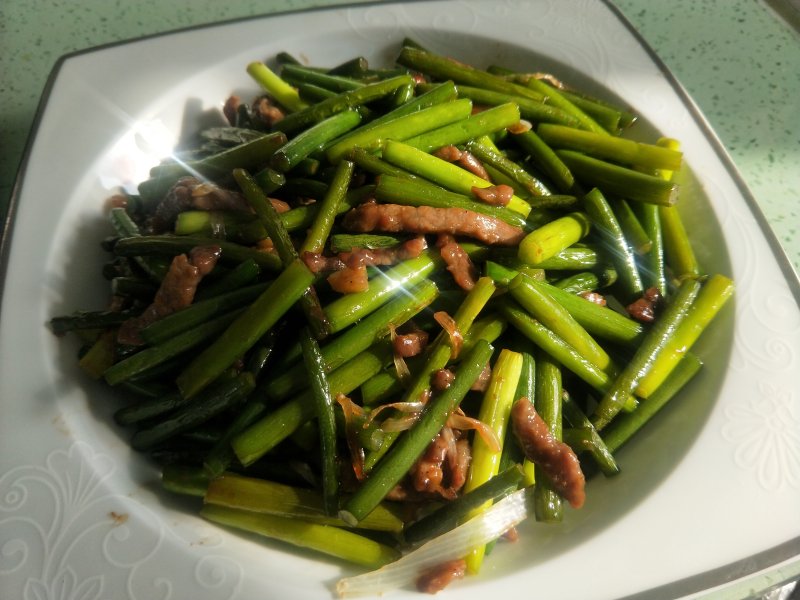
(400, 423)
(449, 325)
(403, 407)
(400, 366)
(551, 79)
(452, 452)
(456, 543)
(352, 413)
(458, 420)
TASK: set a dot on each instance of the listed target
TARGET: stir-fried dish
(389, 313)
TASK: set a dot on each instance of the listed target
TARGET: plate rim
(751, 567)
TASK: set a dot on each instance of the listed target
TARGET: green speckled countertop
(739, 59)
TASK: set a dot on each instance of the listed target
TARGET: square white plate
(708, 495)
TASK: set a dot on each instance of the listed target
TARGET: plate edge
(751, 566)
(6, 233)
(791, 276)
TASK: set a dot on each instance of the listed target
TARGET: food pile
(394, 312)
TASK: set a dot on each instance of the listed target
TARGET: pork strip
(191, 193)
(438, 577)
(473, 165)
(266, 111)
(352, 276)
(497, 195)
(443, 467)
(319, 263)
(410, 344)
(349, 281)
(448, 153)
(441, 379)
(556, 458)
(458, 262)
(396, 218)
(645, 308)
(369, 257)
(231, 109)
(177, 291)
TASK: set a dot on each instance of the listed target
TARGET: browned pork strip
(280, 206)
(556, 458)
(464, 158)
(438, 577)
(482, 382)
(364, 257)
(191, 193)
(351, 267)
(368, 257)
(266, 111)
(204, 258)
(349, 281)
(473, 165)
(176, 291)
(644, 309)
(442, 469)
(441, 379)
(512, 535)
(448, 153)
(396, 218)
(410, 344)
(458, 261)
(440, 472)
(497, 195)
(231, 109)
(319, 263)
(459, 466)
(428, 472)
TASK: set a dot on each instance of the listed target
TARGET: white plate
(710, 494)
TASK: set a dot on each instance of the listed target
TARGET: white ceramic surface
(709, 494)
